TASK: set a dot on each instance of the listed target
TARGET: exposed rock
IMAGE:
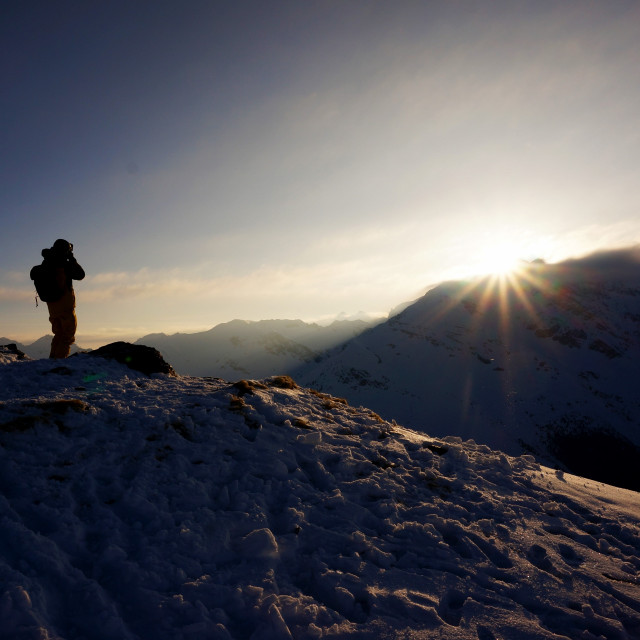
(248, 386)
(603, 347)
(25, 415)
(136, 356)
(13, 350)
(282, 382)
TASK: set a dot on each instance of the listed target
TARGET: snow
(182, 507)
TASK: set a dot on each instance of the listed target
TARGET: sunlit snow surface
(162, 507)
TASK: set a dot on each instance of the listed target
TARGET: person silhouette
(58, 270)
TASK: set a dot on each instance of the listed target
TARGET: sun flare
(498, 261)
(502, 253)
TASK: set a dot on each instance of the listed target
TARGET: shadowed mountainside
(545, 361)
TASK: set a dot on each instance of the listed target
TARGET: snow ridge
(179, 507)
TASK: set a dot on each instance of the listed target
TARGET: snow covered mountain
(138, 507)
(251, 349)
(547, 362)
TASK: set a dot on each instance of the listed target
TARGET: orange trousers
(62, 315)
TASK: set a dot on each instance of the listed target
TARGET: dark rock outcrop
(138, 357)
(13, 350)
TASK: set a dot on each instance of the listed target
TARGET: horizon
(98, 341)
(507, 276)
(307, 161)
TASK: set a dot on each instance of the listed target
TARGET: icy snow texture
(161, 507)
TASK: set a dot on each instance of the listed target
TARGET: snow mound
(135, 507)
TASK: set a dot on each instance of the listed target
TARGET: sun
(498, 260)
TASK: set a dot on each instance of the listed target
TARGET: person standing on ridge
(54, 284)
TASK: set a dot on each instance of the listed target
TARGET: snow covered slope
(135, 507)
(548, 362)
(251, 349)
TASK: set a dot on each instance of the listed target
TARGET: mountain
(236, 348)
(251, 349)
(138, 507)
(546, 362)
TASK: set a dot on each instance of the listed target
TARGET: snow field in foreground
(161, 507)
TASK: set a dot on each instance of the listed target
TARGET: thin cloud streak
(344, 278)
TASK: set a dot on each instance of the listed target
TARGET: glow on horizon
(128, 305)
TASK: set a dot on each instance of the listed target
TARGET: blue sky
(219, 160)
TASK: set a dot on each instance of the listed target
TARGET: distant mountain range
(547, 362)
(243, 349)
(236, 349)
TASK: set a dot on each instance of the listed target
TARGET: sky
(319, 159)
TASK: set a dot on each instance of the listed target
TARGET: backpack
(49, 281)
